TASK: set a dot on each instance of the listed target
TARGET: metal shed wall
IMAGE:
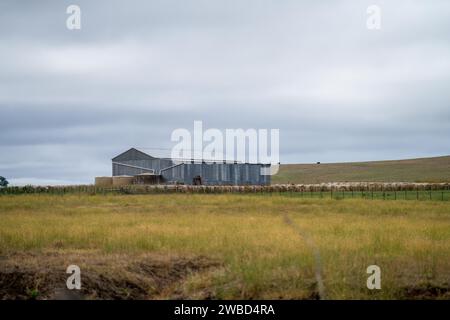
(217, 174)
(211, 173)
(154, 164)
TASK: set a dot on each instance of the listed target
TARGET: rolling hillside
(435, 169)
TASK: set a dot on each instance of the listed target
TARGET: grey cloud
(71, 100)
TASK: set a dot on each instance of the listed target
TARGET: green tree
(3, 182)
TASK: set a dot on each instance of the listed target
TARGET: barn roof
(133, 154)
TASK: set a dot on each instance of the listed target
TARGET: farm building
(148, 170)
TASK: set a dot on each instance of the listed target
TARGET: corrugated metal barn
(134, 162)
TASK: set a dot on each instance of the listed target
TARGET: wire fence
(436, 195)
(438, 192)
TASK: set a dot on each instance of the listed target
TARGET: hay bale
(103, 181)
(118, 181)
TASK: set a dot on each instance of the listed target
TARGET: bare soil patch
(427, 292)
(113, 276)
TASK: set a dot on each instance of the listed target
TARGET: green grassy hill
(413, 170)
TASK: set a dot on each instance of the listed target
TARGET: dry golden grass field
(222, 246)
(435, 169)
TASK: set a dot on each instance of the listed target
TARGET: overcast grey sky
(137, 70)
